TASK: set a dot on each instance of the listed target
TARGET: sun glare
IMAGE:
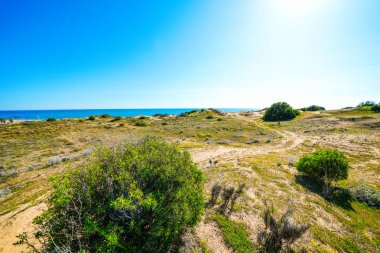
(297, 8)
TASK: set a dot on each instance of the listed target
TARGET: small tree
(3, 121)
(11, 121)
(376, 108)
(280, 111)
(328, 165)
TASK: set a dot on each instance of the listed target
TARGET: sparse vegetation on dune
(240, 151)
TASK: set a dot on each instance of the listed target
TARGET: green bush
(132, 198)
(141, 124)
(280, 111)
(367, 103)
(375, 108)
(209, 117)
(117, 118)
(313, 108)
(328, 165)
(51, 120)
(11, 121)
(91, 118)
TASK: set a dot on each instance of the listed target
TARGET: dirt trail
(290, 141)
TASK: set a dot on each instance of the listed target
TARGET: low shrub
(278, 235)
(141, 124)
(91, 118)
(328, 165)
(229, 196)
(103, 116)
(209, 117)
(219, 119)
(366, 195)
(313, 108)
(11, 121)
(375, 108)
(117, 118)
(367, 103)
(164, 123)
(280, 111)
(143, 117)
(131, 198)
(51, 120)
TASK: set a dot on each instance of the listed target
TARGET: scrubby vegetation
(279, 112)
(140, 123)
(367, 103)
(235, 234)
(91, 118)
(133, 198)
(117, 118)
(376, 108)
(366, 195)
(313, 108)
(278, 235)
(240, 149)
(51, 120)
(326, 165)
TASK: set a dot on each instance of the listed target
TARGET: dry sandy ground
(15, 223)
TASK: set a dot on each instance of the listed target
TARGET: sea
(83, 113)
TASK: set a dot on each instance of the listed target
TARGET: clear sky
(215, 53)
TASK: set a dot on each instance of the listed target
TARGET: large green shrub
(376, 108)
(132, 198)
(280, 111)
(328, 165)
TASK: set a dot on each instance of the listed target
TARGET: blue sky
(214, 53)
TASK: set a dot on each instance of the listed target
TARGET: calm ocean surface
(82, 113)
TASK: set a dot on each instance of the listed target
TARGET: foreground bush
(327, 165)
(51, 120)
(133, 198)
(280, 111)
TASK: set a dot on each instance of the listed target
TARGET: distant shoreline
(35, 115)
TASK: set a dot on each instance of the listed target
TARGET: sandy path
(14, 224)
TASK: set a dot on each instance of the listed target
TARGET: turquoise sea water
(82, 113)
